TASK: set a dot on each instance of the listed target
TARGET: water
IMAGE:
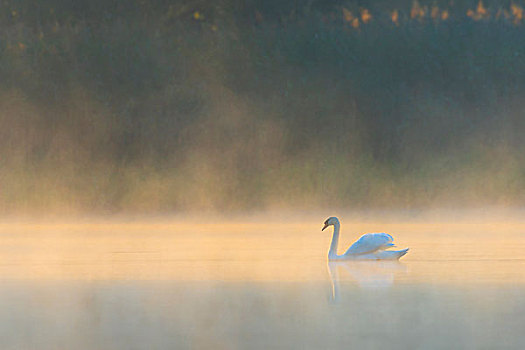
(260, 285)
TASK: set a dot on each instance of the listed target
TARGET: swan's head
(330, 221)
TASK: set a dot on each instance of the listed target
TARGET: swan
(370, 246)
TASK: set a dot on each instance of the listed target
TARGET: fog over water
(259, 284)
(166, 167)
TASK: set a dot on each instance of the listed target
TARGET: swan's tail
(401, 252)
(391, 254)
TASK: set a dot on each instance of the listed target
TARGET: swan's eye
(326, 222)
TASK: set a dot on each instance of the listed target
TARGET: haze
(166, 167)
(159, 107)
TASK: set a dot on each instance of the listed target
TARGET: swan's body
(370, 246)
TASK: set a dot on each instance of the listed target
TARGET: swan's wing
(371, 242)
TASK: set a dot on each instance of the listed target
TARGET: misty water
(259, 284)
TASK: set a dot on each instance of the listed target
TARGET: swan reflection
(367, 274)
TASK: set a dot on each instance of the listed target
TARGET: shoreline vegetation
(165, 107)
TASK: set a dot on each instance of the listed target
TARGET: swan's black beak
(325, 226)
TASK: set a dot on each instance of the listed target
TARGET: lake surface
(259, 284)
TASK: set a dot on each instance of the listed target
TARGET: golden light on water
(204, 145)
(441, 252)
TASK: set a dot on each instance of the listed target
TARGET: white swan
(370, 246)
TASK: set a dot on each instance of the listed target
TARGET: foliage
(179, 105)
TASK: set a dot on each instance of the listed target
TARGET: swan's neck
(332, 253)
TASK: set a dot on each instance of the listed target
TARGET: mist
(173, 107)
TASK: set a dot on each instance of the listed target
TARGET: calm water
(259, 285)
